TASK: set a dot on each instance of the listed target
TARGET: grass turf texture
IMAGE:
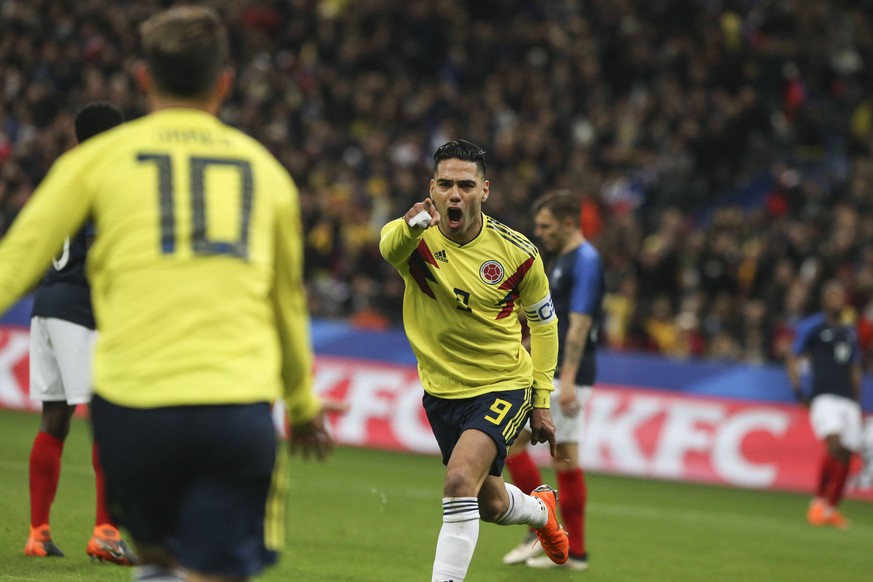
(374, 516)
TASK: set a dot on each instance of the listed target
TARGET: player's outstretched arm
(400, 237)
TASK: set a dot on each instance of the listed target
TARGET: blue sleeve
(586, 283)
(856, 347)
(802, 335)
(90, 229)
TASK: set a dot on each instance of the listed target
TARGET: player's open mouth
(454, 216)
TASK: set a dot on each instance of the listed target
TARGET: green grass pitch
(374, 516)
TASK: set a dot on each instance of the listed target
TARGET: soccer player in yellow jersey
(196, 278)
(467, 278)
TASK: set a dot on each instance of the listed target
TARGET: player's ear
(225, 83)
(142, 76)
(486, 188)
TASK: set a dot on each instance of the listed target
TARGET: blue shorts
(195, 480)
(500, 415)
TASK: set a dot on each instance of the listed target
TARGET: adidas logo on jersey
(441, 256)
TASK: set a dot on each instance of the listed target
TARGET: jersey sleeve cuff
(299, 412)
(541, 398)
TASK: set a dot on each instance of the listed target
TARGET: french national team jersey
(64, 292)
(460, 310)
(577, 285)
(196, 273)
(832, 351)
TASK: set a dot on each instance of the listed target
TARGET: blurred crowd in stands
(722, 149)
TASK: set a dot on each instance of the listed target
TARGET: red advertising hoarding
(628, 430)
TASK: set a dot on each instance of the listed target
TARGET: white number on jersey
(61, 262)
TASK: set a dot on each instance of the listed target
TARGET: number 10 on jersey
(198, 167)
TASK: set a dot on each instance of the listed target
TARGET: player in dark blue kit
(62, 333)
(833, 399)
(577, 287)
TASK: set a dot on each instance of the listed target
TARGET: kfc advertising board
(640, 432)
(630, 429)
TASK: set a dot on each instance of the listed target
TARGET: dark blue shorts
(500, 415)
(195, 480)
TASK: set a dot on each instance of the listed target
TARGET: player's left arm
(857, 370)
(305, 411)
(57, 209)
(543, 323)
(792, 361)
(857, 375)
(583, 304)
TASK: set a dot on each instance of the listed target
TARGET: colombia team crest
(492, 272)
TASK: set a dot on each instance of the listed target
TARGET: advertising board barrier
(721, 423)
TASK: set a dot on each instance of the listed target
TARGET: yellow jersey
(196, 271)
(461, 309)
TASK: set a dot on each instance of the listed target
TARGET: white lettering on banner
(611, 441)
(608, 429)
(12, 393)
(627, 431)
(408, 428)
(727, 457)
(682, 433)
(371, 396)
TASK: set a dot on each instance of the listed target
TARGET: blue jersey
(64, 292)
(832, 351)
(577, 286)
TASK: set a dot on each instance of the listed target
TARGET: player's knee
(564, 463)
(837, 450)
(55, 421)
(459, 484)
(57, 431)
(566, 457)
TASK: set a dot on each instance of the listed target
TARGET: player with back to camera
(466, 277)
(577, 286)
(197, 287)
(833, 400)
(61, 340)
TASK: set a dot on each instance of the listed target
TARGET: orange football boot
(40, 543)
(106, 545)
(816, 513)
(552, 536)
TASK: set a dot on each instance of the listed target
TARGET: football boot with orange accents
(553, 538)
(836, 519)
(106, 545)
(816, 513)
(40, 543)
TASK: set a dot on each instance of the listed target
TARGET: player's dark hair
(186, 48)
(460, 149)
(562, 204)
(96, 118)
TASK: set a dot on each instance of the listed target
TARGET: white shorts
(568, 429)
(60, 360)
(831, 414)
